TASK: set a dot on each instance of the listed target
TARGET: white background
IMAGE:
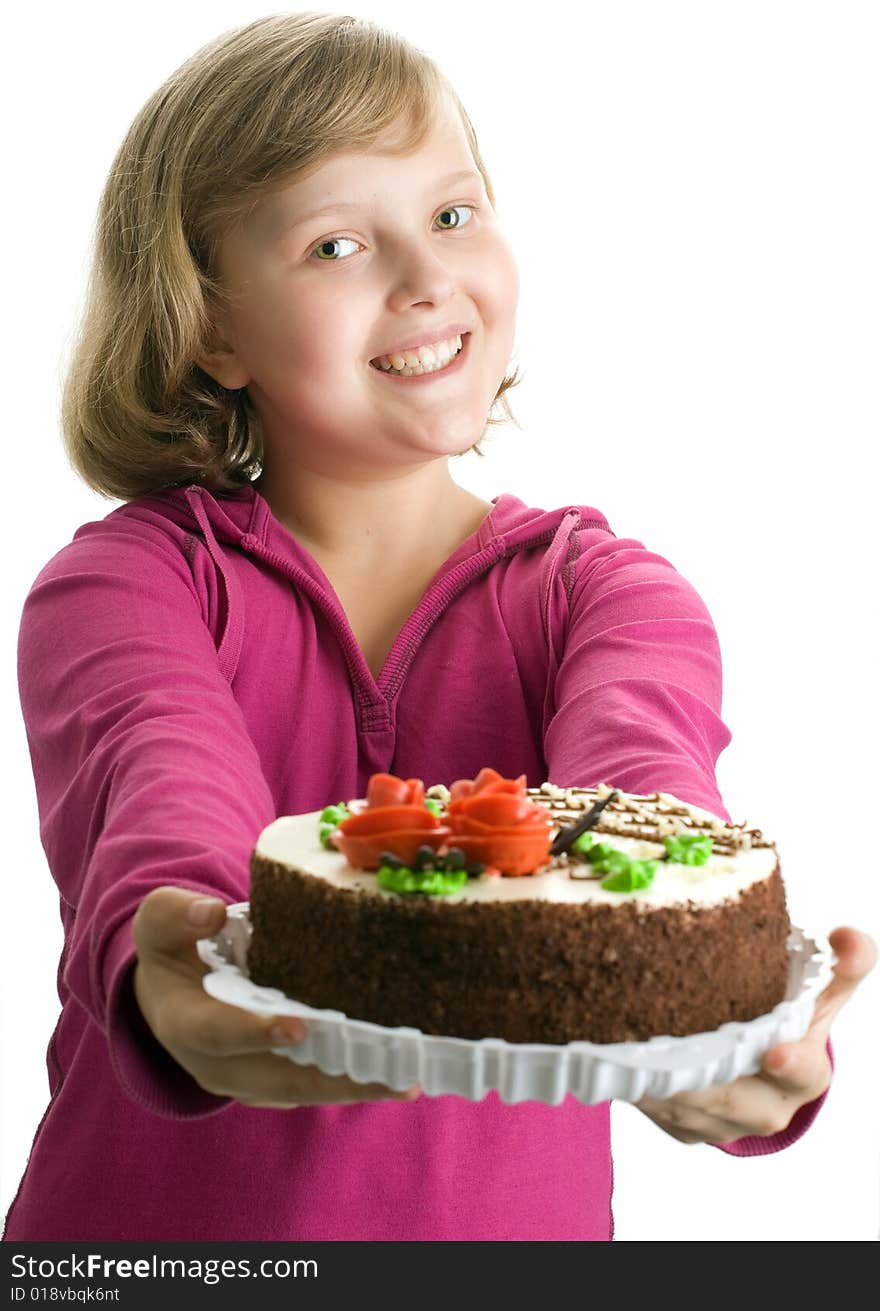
(691, 192)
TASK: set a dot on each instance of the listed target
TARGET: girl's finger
(798, 1067)
(738, 1110)
(273, 1081)
(856, 956)
(171, 919)
(687, 1123)
(709, 1101)
(217, 1032)
(231, 1048)
(214, 1028)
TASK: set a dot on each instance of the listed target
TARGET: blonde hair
(252, 110)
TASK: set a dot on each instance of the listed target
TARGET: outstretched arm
(637, 704)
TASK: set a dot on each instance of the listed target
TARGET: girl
(302, 307)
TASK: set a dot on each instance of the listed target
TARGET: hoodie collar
(244, 518)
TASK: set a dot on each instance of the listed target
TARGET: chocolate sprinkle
(567, 836)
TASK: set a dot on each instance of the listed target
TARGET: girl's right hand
(227, 1050)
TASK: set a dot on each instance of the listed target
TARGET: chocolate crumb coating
(523, 971)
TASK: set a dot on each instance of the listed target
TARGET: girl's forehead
(351, 181)
(389, 151)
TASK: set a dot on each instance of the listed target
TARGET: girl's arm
(638, 689)
(638, 700)
(144, 770)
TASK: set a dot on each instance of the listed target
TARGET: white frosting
(293, 840)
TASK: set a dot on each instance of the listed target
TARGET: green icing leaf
(637, 874)
(435, 806)
(623, 873)
(434, 882)
(608, 859)
(688, 848)
(330, 817)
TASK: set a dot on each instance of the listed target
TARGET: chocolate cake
(640, 915)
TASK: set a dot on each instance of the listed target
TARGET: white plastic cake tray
(591, 1072)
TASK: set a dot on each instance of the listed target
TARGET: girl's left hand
(792, 1074)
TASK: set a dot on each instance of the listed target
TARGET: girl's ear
(217, 354)
(223, 366)
(220, 361)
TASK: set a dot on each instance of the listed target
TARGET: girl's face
(403, 249)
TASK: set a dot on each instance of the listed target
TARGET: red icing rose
(494, 823)
(394, 819)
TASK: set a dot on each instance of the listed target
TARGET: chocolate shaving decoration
(567, 836)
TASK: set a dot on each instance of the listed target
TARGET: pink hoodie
(187, 674)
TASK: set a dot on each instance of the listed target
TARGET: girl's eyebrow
(296, 220)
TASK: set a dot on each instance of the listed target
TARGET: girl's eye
(452, 209)
(325, 255)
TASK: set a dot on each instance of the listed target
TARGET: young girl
(294, 595)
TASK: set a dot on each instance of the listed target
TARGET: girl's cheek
(509, 273)
(500, 285)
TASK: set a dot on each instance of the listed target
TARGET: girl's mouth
(455, 365)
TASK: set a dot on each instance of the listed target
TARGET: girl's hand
(224, 1048)
(793, 1073)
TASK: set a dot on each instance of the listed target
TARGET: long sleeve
(145, 773)
(638, 688)
(638, 702)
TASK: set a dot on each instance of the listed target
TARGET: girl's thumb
(202, 913)
(170, 918)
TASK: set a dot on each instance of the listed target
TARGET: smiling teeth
(427, 359)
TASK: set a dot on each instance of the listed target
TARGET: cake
(489, 909)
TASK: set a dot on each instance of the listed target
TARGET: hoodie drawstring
(229, 649)
(552, 582)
